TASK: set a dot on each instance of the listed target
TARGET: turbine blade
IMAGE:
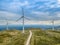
(19, 18)
(27, 18)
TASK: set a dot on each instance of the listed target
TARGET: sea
(19, 27)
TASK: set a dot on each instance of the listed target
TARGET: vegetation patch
(45, 37)
(13, 37)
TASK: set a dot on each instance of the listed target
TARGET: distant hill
(19, 27)
(57, 27)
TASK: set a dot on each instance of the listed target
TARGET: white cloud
(32, 23)
(57, 14)
(46, 15)
(41, 0)
(27, 22)
(42, 15)
(58, 1)
(52, 6)
(39, 22)
(25, 3)
(8, 15)
(14, 5)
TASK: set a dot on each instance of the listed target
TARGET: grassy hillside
(45, 37)
(39, 37)
(12, 37)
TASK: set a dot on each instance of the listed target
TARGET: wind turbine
(23, 19)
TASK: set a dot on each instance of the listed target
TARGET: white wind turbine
(22, 17)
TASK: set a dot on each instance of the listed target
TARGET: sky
(36, 10)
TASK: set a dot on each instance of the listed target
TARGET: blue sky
(34, 9)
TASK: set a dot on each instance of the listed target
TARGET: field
(45, 37)
(39, 37)
(13, 37)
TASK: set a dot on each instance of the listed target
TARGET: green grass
(13, 37)
(39, 37)
(45, 37)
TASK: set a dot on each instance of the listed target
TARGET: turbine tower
(7, 25)
(22, 17)
(52, 20)
(53, 24)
